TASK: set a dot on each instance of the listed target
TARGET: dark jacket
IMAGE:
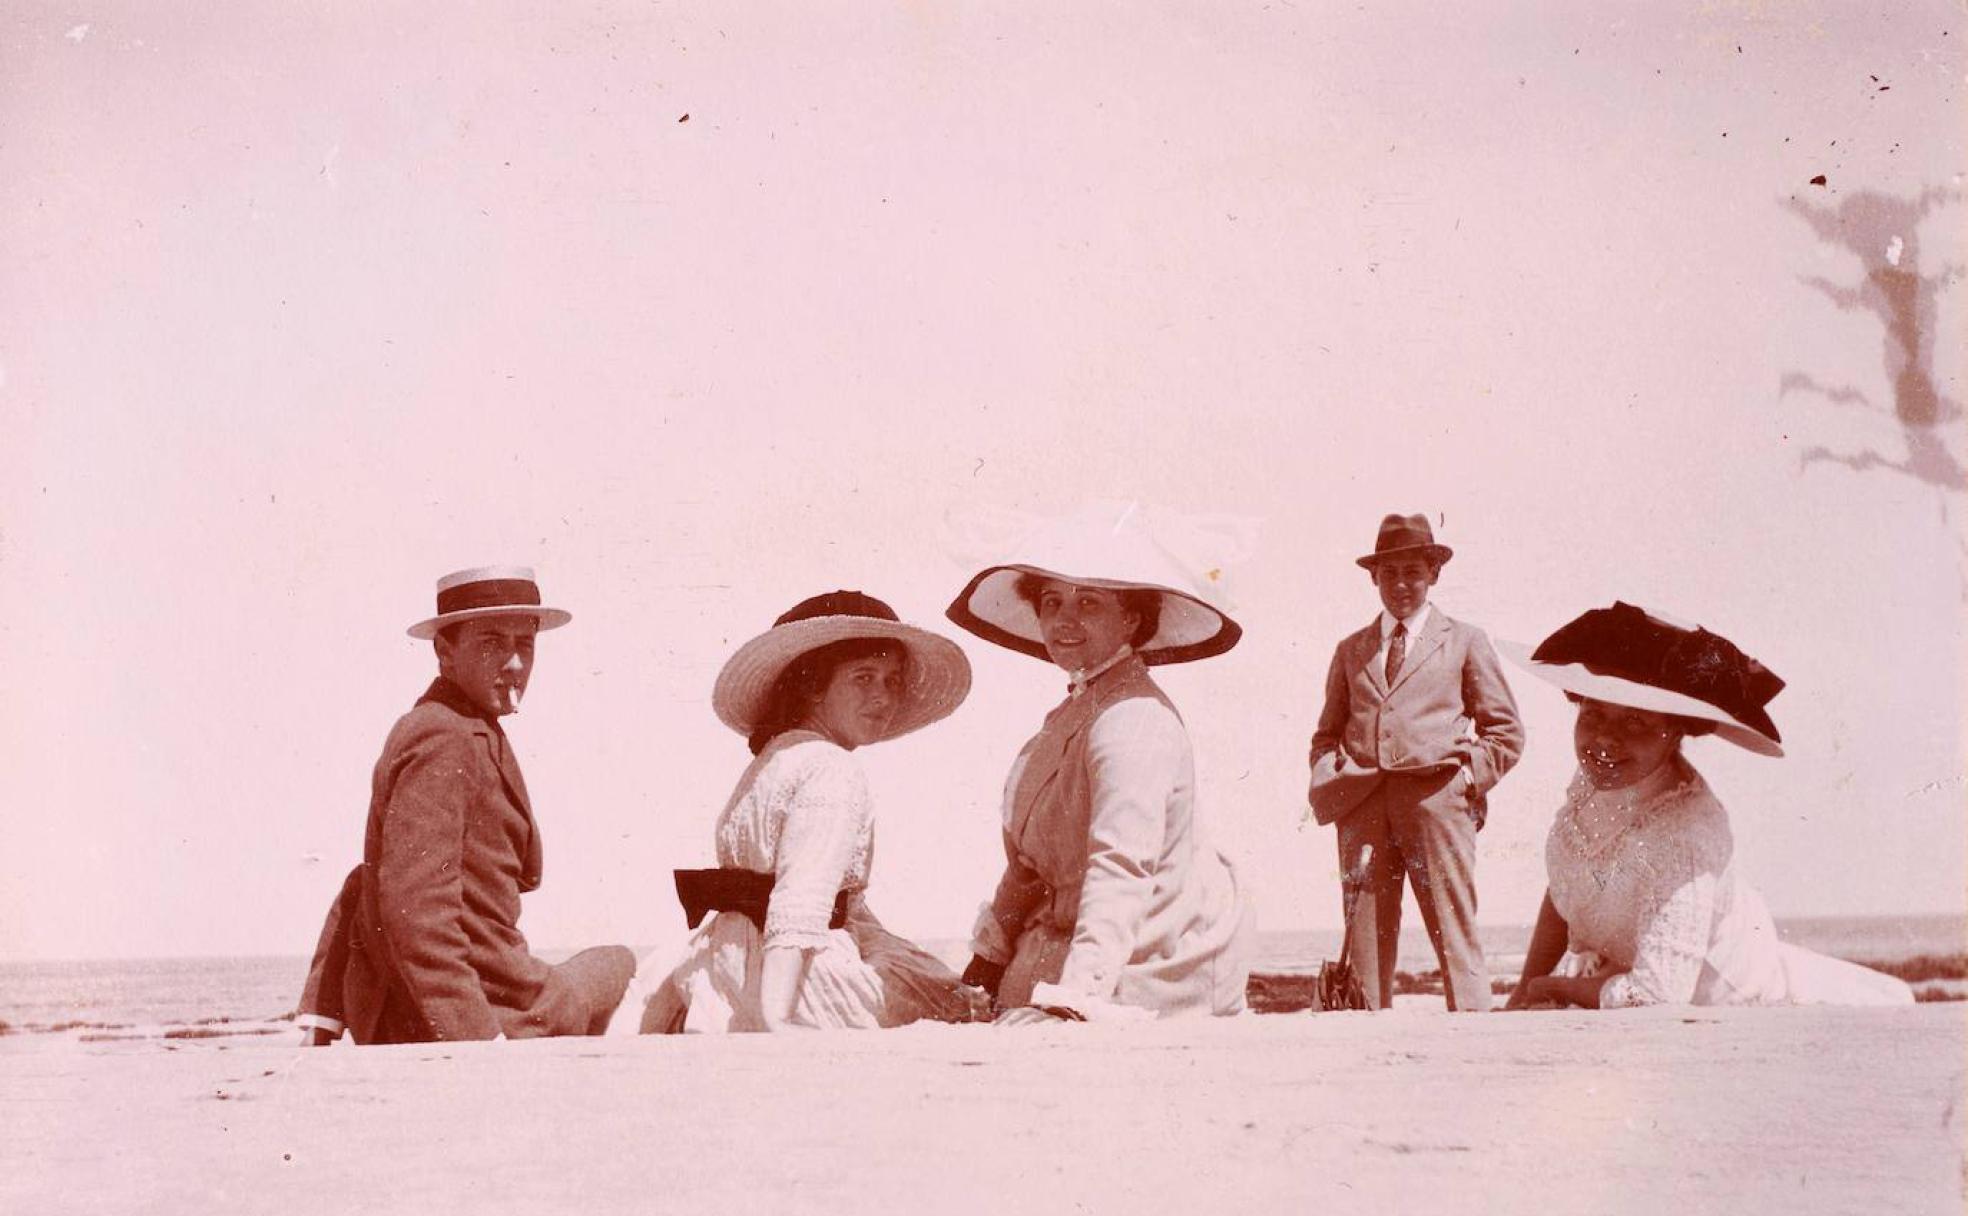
(424, 942)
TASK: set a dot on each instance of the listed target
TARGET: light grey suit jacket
(1449, 706)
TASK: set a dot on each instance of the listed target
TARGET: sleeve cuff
(322, 1022)
(798, 939)
(1619, 993)
(1579, 965)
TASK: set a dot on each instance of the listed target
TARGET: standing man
(1418, 725)
(424, 943)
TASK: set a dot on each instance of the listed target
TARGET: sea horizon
(196, 995)
(1924, 926)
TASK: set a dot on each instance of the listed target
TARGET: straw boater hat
(1109, 546)
(1628, 656)
(938, 674)
(488, 591)
(1403, 536)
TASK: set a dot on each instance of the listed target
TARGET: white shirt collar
(1416, 623)
(1077, 682)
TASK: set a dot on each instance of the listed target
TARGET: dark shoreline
(1935, 977)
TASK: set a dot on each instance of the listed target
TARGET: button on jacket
(1449, 706)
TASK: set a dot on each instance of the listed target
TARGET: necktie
(1397, 651)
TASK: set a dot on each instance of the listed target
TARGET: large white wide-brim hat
(482, 591)
(1115, 547)
(936, 676)
(1624, 655)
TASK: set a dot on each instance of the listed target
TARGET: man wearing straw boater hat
(424, 942)
(1418, 725)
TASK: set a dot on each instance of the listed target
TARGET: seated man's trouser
(577, 999)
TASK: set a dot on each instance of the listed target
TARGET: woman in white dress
(1113, 903)
(793, 943)
(1645, 904)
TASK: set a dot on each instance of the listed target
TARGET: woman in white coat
(1113, 904)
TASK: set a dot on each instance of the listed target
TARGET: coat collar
(1081, 681)
(1434, 632)
(450, 696)
(453, 698)
(1367, 643)
(1108, 682)
(1417, 624)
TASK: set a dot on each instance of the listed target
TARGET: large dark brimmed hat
(483, 591)
(1111, 546)
(1402, 535)
(938, 674)
(1627, 656)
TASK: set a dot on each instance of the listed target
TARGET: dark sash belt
(734, 890)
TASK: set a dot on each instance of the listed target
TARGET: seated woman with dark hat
(793, 943)
(1645, 904)
(1113, 903)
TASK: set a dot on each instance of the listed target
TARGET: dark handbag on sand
(1339, 987)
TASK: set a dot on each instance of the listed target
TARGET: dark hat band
(489, 593)
(1396, 539)
(837, 603)
(1404, 534)
(1624, 643)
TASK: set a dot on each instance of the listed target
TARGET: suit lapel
(1366, 645)
(531, 861)
(1047, 754)
(1425, 648)
(499, 748)
(1063, 729)
(509, 771)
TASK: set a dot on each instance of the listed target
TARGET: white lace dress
(1645, 880)
(801, 813)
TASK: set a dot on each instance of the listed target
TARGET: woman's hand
(980, 1006)
(1037, 1015)
(1548, 940)
(1529, 994)
(1552, 991)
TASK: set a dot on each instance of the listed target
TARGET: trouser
(1416, 825)
(577, 999)
(583, 992)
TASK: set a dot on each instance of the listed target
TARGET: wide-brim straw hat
(1629, 656)
(936, 676)
(1114, 547)
(482, 591)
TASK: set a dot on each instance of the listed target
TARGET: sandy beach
(697, 310)
(1691, 1110)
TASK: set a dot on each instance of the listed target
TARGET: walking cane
(1339, 987)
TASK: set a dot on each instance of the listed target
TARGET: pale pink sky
(304, 309)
